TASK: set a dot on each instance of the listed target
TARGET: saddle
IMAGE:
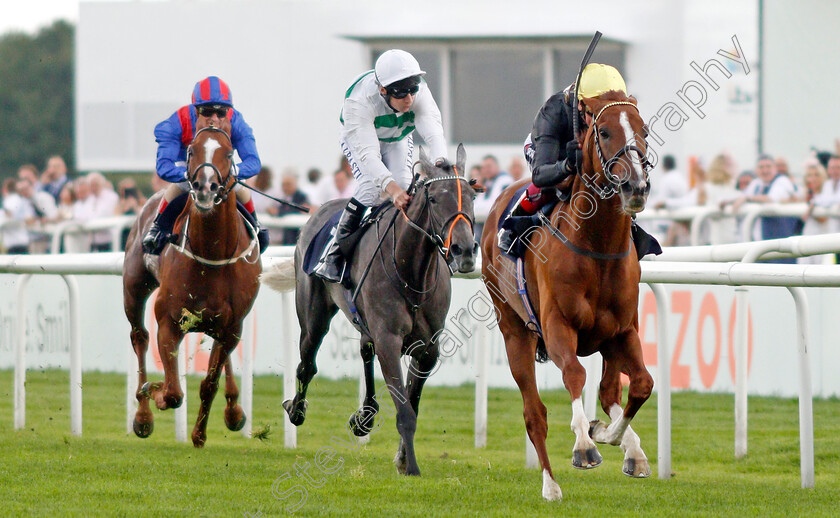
(322, 238)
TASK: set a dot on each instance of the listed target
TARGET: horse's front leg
(619, 431)
(561, 345)
(389, 351)
(234, 415)
(423, 360)
(361, 422)
(168, 395)
(219, 356)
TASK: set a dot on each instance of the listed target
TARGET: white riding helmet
(395, 65)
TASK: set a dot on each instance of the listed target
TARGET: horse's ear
(461, 159)
(427, 167)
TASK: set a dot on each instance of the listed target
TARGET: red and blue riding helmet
(212, 90)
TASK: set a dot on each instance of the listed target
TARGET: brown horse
(582, 276)
(208, 282)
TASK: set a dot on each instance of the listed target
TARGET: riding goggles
(207, 110)
(403, 88)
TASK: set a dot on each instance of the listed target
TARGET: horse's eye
(604, 133)
(432, 199)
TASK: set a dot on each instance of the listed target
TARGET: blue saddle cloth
(316, 247)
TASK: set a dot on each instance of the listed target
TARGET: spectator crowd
(35, 202)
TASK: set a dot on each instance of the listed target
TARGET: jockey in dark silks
(213, 101)
(551, 147)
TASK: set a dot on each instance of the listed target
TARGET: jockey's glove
(571, 157)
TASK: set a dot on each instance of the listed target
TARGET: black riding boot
(506, 235)
(262, 232)
(161, 230)
(331, 266)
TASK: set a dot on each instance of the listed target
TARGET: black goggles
(208, 110)
(404, 88)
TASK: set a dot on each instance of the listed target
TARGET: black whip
(278, 200)
(575, 123)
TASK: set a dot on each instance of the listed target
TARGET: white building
(490, 65)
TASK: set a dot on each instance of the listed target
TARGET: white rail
(654, 272)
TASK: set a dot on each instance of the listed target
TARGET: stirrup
(505, 240)
(154, 240)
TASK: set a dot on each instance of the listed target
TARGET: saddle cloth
(316, 247)
(521, 225)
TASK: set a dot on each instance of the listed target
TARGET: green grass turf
(46, 471)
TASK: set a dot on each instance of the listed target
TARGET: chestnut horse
(208, 282)
(582, 278)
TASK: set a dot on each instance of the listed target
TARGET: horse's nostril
(196, 186)
(214, 187)
(457, 250)
(475, 248)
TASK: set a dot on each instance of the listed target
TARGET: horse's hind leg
(234, 415)
(314, 310)
(619, 431)
(419, 370)
(361, 422)
(561, 345)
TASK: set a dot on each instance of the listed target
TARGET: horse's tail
(281, 276)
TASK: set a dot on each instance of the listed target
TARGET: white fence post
(181, 411)
(20, 354)
(290, 349)
(75, 356)
(741, 365)
(246, 395)
(594, 366)
(806, 410)
(663, 374)
(482, 342)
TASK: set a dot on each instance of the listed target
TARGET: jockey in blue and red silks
(211, 102)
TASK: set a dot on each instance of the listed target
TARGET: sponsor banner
(700, 327)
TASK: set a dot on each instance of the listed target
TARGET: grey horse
(403, 300)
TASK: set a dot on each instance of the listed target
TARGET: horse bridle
(606, 165)
(226, 184)
(442, 244)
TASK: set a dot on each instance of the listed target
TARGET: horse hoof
(232, 424)
(143, 430)
(636, 469)
(588, 459)
(551, 490)
(399, 462)
(297, 413)
(146, 389)
(198, 442)
(360, 426)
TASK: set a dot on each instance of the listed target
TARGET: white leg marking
(630, 138)
(580, 426)
(550, 491)
(614, 433)
(631, 445)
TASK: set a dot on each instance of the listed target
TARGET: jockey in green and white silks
(382, 109)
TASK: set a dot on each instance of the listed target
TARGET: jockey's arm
(552, 131)
(360, 135)
(170, 162)
(242, 137)
(429, 124)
